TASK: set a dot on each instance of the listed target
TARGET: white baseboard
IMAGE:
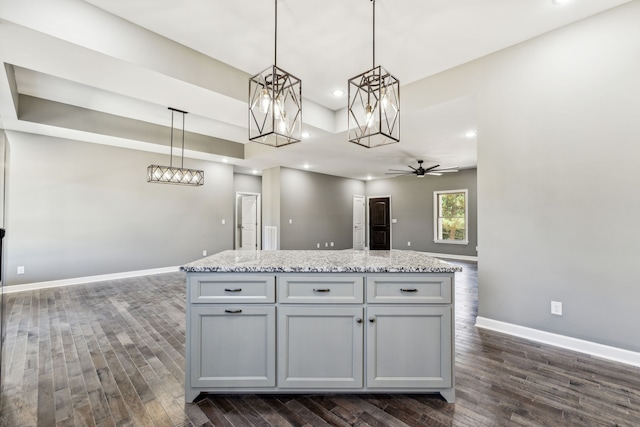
(88, 279)
(449, 256)
(588, 347)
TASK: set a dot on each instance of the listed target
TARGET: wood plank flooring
(112, 354)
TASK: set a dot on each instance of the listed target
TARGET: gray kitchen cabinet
(320, 333)
(409, 347)
(320, 347)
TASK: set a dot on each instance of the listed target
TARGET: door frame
(387, 196)
(364, 217)
(236, 222)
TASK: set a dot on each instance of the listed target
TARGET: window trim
(466, 217)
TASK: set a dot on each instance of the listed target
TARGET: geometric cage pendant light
(175, 175)
(275, 103)
(374, 104)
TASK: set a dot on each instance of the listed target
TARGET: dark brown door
(379, 224)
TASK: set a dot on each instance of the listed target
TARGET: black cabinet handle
(233, 311)
(322, 290)
(233, 289)
(409, 290)
(358, 320)
(372, 319)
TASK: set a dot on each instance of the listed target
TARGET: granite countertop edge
(347, 261)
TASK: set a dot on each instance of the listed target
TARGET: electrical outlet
(290, 221)
(204, 253)
(21, 269)
(224, 222)
(408, 243)
(318, 245)
(331, 244)
(556, 308)
(326, 244)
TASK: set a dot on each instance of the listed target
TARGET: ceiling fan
(420, 172)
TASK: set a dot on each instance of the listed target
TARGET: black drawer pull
(233, 289)
(322, 290)
(233, 311)
(409, 290)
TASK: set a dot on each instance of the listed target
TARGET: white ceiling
(103, 55)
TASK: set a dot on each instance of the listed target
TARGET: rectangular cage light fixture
(374, 108)
(175, 175)
(275, 108)
(171, 175)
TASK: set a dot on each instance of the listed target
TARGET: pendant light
(275, 103)
(171, 175)
(374, 104)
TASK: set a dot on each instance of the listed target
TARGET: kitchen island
(320, 322)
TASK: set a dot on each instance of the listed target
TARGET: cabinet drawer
(409, 290)
(318, 290)
(232, 289)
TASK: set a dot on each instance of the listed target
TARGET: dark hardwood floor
(112, 354)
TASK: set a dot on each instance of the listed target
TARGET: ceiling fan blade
(452, 167)
(399, 173)
(433, 173)
(413, 168)
(399, 170)
(431, 168)
(445, 170)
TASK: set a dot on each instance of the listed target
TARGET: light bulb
(265, 101)
(283, 124)
(370, 115)
(278, 108)
(384, 99)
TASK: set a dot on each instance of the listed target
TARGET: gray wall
(412, 207)
(247, 183)
(271, 200)
(78, 209)
(558, 176)
(321, 208)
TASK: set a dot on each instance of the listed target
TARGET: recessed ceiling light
(255, 171)
(306, 166)
(338, 92)
(369, 177)
(225, 160)
(305, 134)
(471, 134)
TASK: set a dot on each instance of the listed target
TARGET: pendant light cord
(275, 37)
(182, 163)
(171, 152)
(374, 34)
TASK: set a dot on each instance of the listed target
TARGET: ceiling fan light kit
(275, 104)
(374, 104)
(171, 175)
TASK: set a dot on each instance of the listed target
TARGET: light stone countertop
(299, 261)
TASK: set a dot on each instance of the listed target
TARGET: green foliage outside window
(452, 216)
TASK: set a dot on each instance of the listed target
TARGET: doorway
(247, 227)
(380, 223)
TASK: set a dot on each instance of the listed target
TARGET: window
(450, 217)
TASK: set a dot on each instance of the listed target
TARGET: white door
(358, 222)
(248, 225)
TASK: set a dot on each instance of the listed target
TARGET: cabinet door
(232, 346)
(320, 347)
(409, 347)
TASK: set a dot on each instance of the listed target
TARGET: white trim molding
(87, 279)
(451, 256)
(582, 346)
